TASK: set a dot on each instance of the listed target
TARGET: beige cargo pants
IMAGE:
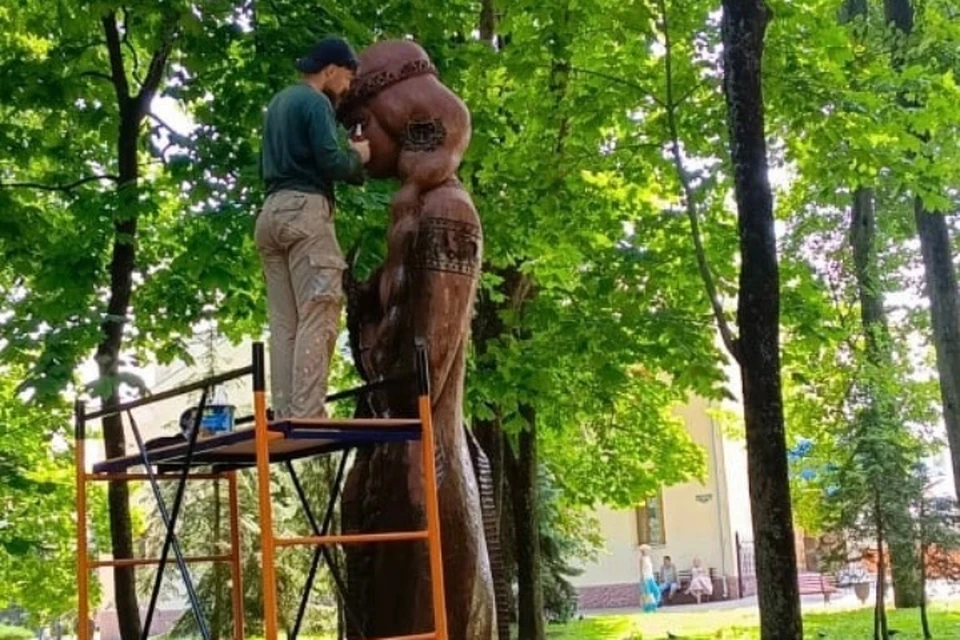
(303, 268)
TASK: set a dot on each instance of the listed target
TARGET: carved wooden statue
(418, 131)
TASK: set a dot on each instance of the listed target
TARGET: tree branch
(154, 76)
(723, 325)
(488, 22)
(175, 136)
(94, 74)
(622, 81)
(687, 95)
(117, 72)
(618, 149)
(130, 47)
(627, 83)
(76, 48)
(57, 187)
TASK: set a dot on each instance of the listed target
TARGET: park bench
(682, 597)
(817, 583)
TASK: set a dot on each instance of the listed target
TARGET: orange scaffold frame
(265, 443)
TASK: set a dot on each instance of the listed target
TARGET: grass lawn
(14, 633)
(741, 624)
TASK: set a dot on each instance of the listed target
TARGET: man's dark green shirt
(301, 150)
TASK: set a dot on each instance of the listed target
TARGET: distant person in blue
(649, 591)
(669, 582)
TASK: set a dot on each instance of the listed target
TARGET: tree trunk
(924, 622)
(863, 229)
(219, 595)
(905, 574)
(486, 327)
(523, 486)
(941, 279)
(488, 21)
(108, 356)
(941, 288)
(880, 631)
(488, 466)
(131, 109)
(758, 316)
(508, 537)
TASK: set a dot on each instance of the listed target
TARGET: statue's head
(404, 109)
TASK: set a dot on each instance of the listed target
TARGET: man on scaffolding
(302, 159)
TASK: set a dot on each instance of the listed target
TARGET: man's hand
(362, 147)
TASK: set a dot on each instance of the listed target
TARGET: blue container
(217, 419)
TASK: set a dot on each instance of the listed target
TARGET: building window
(650, 529)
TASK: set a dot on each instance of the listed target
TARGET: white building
(685, 521)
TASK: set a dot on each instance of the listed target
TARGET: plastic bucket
(217, 419)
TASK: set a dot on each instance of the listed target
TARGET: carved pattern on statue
(424, 135)
(370, 85)
(448, 245)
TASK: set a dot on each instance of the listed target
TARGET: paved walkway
(842, 599)
(838, 601)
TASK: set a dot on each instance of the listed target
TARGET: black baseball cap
(328, 51)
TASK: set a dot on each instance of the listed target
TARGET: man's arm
(336, 163)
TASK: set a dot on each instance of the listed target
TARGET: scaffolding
(259, 446)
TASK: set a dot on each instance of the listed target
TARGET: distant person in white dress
(649, 591)
(700, 583)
